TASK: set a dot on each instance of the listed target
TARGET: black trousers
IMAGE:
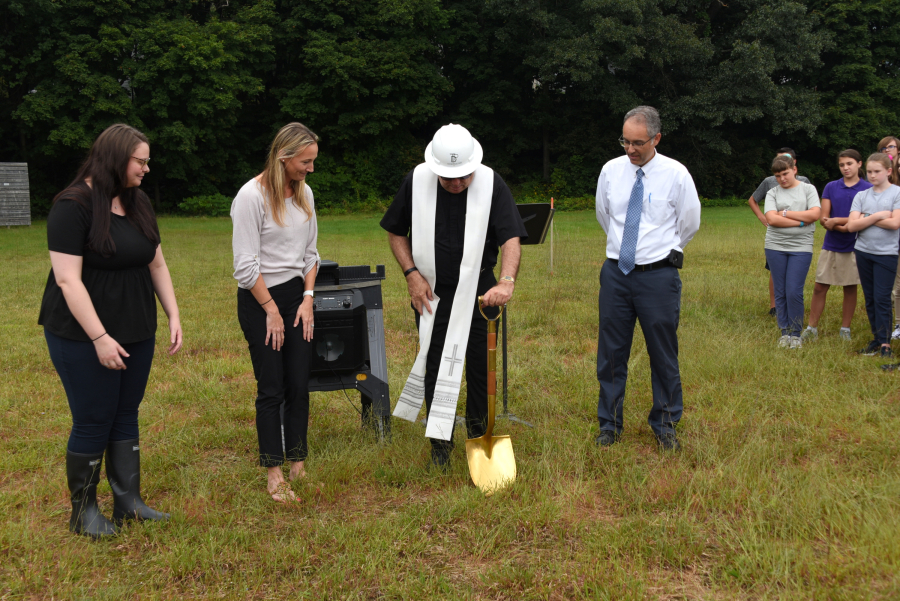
(654, 299)
(281, 376)
(104, 402)
(476, 360)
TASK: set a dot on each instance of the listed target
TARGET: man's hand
(419, 292)
(499, 295)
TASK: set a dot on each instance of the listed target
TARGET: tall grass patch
(787, 486)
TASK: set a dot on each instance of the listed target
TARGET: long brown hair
(853, 154)
(291, 140)
(107, 167)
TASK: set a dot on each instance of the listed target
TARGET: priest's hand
(419, 292)
(499, 295)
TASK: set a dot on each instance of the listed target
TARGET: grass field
(787, 486)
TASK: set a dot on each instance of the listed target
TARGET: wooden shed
(15, 200)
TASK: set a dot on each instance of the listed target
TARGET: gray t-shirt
(799, 198)
(875, 240)
(770, 182)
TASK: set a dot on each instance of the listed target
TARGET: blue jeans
(104, 402)
(876, 275)
(654, 299)
(789, 271)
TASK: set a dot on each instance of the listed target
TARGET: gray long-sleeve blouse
(262, 247)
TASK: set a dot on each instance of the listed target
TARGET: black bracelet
(410, 270)
(267, 302)
(98, 337)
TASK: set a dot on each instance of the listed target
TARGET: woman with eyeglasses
(275, 263)
(889, 146)
(99, 318)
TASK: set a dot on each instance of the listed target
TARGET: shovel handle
(481, 310)
(492, 365)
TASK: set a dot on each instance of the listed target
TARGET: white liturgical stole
(449, 377)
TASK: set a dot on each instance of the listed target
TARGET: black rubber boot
(83, 474)
(123, 469)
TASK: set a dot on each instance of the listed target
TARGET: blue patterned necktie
(632, 225)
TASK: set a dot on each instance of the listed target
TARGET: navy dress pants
(654, 299)
(104, 402)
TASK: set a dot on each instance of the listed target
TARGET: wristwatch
(508, 278)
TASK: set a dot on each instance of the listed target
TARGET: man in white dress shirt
(648, 206)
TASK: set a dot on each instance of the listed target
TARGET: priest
(445, 226)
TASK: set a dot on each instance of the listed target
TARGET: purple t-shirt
(841, 198)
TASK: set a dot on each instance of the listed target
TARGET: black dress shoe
(668, 442)
(440, 460)
(606, 438)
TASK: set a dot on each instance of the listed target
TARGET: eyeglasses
(143, 162)
(888, 147)
(462, 178)
(626, 143)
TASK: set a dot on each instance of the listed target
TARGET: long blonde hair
(291, 140)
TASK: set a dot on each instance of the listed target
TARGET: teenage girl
(792, 208)
(875, 215)
(837, 263)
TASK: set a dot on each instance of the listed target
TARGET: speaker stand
(506, 414)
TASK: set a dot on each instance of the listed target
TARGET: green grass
(787, 487)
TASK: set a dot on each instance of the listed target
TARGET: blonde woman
(275, 264)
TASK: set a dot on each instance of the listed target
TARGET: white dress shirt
(670, 215)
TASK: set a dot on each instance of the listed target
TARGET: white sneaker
(845, 334)
(784, 341)
(796, 342)
(895, 335)
(809, 334)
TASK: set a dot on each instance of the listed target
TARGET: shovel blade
(492, 464)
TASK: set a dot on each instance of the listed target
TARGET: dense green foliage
(543, 84)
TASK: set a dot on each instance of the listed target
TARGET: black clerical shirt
(504, 223)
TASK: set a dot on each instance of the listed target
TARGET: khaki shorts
(837, 269)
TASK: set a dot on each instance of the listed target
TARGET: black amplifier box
(340, 342)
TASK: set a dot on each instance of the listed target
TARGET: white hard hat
(453, 152)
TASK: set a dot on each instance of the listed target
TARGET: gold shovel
(491, 460)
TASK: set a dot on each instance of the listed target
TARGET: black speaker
(340, 341)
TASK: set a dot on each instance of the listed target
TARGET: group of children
(861, 213)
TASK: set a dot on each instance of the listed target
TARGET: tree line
(542, 84)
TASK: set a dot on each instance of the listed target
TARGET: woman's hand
(274, 327)
(305, 314)
(110, 353)
(175, 335)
